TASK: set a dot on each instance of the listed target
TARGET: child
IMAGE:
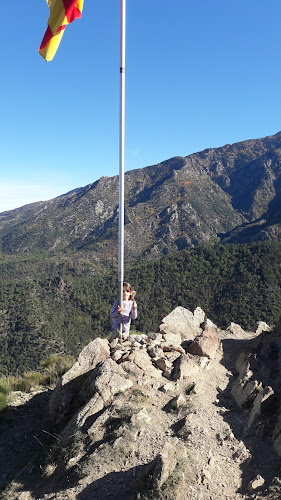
(124, 312)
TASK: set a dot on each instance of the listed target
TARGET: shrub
(4, 387)
(57, 365)
(3, 401)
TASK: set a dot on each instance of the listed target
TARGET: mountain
(228, 194)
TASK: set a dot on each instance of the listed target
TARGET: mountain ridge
(227, 194)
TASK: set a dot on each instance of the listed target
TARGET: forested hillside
(57, 304)
(229, 194)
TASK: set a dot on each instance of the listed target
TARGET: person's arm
(134, 310)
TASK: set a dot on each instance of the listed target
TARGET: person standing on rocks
(124, 313)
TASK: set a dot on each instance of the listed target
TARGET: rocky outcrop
(183, 322)
(149, 416)
(257, 387)
(65, 398)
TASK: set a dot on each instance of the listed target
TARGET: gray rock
(235, 329)
(142, 359)
(244, 391)
(185, 365)
(63, 401)
(260, 327)
(205, 344)
(255, 484)
(183, 322)
(99, 389)
(259, 400)
(164, 364)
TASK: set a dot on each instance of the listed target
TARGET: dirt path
(226, 456)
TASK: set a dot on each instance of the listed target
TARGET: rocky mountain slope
(160, 416)
(228, 194)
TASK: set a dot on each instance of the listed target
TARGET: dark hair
(127, 286)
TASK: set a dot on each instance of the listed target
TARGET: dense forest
(57, 304)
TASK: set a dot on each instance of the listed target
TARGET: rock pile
(184, 344)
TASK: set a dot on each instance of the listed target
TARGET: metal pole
(121, 150)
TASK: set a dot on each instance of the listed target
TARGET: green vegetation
(57, 304)
(50, 371)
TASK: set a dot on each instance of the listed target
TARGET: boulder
(244, 392)
(186, 365)
(169, 336)
(63, 401)
(164, 364)
(98, 390)
(142, 359)
(255, 484)
(205, 344)
(183, 322)
(107, 379)
(259, 400)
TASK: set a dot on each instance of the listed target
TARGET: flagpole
(121, 149)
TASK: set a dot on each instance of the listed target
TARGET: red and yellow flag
(62, 12)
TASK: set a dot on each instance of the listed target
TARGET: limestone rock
(205, 344)
(260, 327)
(168, 347)
(142, 359)
(207, 323)
(63, 399)
(256, 408)
(183, 322)
(99, 389)
(255, 484)
(168, 336)
(164, 364)
(132, 369)
(155, 336)
(235, 329)
(107, 379)
(165, 464)
(178, 401)
(244, 392)
(185, 365)
(154, 351)
(199, 316)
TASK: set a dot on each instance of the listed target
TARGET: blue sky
(199, 74)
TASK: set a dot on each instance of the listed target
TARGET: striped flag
(62, 12)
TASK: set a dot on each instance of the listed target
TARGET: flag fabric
(62, 12)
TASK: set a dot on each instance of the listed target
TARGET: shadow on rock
(116, 485)
(24, 439)
(255, 451)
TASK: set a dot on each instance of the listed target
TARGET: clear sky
(199, 74)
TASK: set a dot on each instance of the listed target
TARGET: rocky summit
(228, 194)
(187, 412)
